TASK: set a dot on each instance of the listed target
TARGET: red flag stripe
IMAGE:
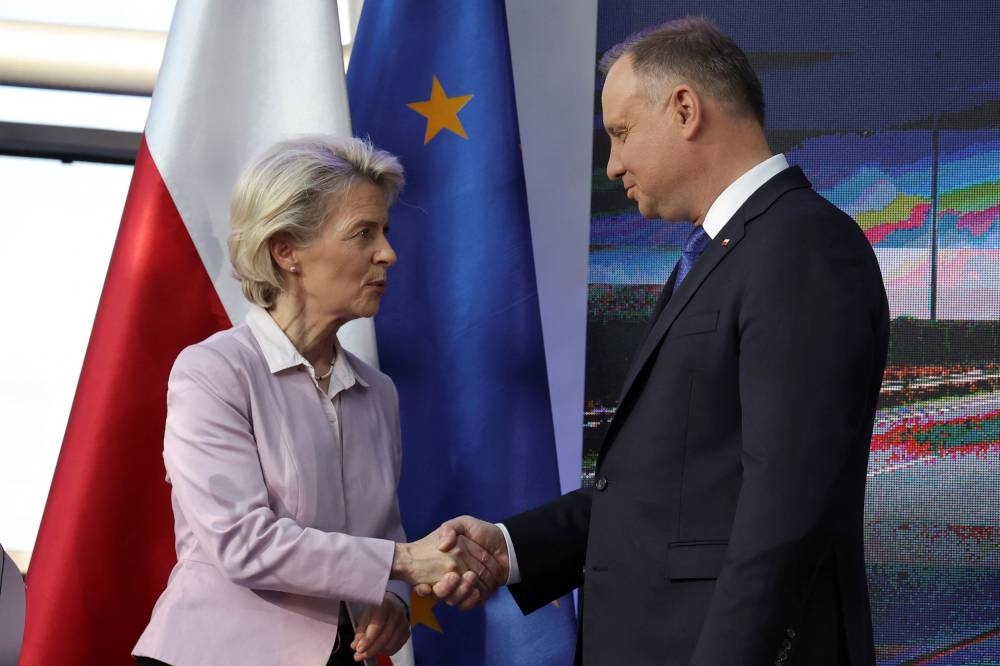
(104, 528)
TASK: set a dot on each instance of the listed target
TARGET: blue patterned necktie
(695, 244)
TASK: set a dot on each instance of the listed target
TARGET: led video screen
(892, 110)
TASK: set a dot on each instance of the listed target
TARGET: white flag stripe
(236, 77)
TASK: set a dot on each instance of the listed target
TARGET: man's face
(645, 145)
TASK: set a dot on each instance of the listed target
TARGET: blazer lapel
(759, 201)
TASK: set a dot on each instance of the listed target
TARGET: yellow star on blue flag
(441, 112)
(422, 612)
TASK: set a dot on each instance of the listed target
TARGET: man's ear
(685, 110)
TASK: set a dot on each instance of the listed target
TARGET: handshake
(462, 562)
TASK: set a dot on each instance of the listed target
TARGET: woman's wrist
(402, 560)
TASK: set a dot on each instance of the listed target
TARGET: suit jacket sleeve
(551, 546)
(212, 463)
(812, 339)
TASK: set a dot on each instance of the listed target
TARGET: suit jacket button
(601, 483)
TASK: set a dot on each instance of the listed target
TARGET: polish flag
(236, 77)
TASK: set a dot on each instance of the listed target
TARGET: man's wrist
(513, 572)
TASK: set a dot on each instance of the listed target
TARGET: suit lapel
(661, 303)
(710, 258)
(716, 252)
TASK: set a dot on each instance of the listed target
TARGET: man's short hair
(692, 50)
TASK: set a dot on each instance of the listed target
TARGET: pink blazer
(274, 527)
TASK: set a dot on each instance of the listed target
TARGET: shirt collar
(734, 196)
(281, 354)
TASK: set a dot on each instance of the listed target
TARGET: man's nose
(615, 170)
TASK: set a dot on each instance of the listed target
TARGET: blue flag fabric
(459, 328)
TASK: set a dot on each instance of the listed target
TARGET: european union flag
(459, 329)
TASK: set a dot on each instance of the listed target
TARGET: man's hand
(475, 539)
(461, 565)
(381, 629)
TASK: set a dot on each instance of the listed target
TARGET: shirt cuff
(395, 591)
(514, 576)
(401, 590)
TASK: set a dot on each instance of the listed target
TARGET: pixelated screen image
(893, 112)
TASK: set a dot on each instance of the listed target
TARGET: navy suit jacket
(725, 525)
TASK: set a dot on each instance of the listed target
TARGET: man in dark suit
(725, 522)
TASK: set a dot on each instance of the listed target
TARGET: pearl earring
(293, 268)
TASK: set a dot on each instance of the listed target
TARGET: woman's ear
(284, 254)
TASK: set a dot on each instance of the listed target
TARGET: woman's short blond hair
(290, 191)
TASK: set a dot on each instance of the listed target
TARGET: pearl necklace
(326, 374)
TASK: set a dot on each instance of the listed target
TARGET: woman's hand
(381, 629)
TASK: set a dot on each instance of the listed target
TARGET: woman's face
(342, 274)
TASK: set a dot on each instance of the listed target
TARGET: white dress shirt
(281, 354)
(734, 196)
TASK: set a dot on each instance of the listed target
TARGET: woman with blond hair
(283, 449)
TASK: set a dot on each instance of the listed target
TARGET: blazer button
(601, 483)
